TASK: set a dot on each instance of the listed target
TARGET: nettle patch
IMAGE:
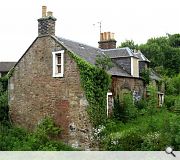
(95, 82)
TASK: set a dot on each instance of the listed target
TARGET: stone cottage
(46, 81)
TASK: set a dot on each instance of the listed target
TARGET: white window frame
(107, 109)
(132, 69)
(55, 63)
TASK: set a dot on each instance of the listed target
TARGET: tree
(130, 44)
(174, 40)
(164, 53)
(104, 62)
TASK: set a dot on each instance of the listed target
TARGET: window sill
(58, 76)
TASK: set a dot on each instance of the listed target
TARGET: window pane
(58, 59)
(59, 68)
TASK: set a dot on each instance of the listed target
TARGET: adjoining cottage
(46, 81)
(5, 67)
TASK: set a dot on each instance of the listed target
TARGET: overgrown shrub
(146, 76)
(19, 139)
(124, 108)
(146, 133)
(3, 99)
(4, 109)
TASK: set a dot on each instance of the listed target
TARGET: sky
(77, 20)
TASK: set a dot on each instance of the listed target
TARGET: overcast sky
(138, 20)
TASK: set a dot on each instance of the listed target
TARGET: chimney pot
(46, 24)
(112, 36)
(50, 14)
(44, 8)
(105, 36)
(108, 36)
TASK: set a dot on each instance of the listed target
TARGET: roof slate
(6, 66)
(89, 54)
(84, 51)
(154, 76)
(120, 52)
(141, 57)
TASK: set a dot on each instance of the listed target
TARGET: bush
(18, 139)
(124, 108)
(146, 133)
(4, 109)
(3, 99)
(126, 140)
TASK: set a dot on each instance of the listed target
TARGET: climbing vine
(96, 83)
(146, 76)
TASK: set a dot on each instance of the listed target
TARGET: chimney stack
(107, 41)
(46, 24)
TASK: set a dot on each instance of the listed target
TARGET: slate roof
(89, 54)
(154, 76)
(120, 52)
(117, 70)
(141, 57)
(6, 66)
(84, 51)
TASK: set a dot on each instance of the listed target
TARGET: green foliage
(104, 62)
(170, 101)
(118, 110)
(18, 139)
(172, 93)
(164, 54)
(176, 84)
(96, 83)
(4, 99)
(130, 109)
(174, 40)
(124, 109)
(4, 109)
(146, 76)
(152, 101)
(48, 127)
(130, 44)
(139, 135)
(152, 129)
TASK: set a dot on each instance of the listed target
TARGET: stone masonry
(127, 83)
(34, 94)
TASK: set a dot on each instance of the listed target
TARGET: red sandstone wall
(131, 84)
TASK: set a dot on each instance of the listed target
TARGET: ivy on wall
(96, 83)
(146, 76)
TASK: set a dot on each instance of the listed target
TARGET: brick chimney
(46, 24)
(107, 41)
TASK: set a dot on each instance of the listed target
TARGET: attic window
(58, 63)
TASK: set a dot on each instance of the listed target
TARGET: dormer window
(58, 63)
